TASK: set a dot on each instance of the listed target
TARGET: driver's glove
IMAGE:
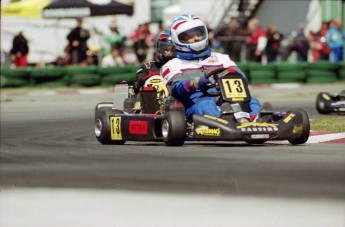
(199, 83)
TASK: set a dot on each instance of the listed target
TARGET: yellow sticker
(297, 129)
(288, 118)
(217, 119)
(256, 124)
(115, 128)
(205, 131)
(326, 96)
(234, 88)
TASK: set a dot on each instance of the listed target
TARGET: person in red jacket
(257, 40)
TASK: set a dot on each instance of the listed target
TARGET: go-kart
(327, 103)
(153, 115)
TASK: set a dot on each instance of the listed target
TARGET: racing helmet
(184, 28)
(165, 47)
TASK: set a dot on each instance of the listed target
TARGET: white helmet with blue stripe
(189, 35)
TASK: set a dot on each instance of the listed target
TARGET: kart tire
(174, 128)
(305, 130)
(102, 126)
(101, 105)
(321, 105)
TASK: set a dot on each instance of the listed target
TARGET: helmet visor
(166, 48)
(193, 35)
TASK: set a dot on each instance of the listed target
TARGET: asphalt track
(54, 172)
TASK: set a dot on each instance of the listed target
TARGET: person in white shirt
(113, 59)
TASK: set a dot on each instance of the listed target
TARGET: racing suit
(177, 74)
(145, 72)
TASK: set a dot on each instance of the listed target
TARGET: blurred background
(46, 24)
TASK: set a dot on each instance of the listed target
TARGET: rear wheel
(102, 125)
(174, 128)
(305, 130)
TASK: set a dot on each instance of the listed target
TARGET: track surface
(55, 173)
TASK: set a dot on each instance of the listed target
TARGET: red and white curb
(326, 137)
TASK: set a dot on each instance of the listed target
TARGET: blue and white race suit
(177, 74)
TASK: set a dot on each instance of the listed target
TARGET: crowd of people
(250, 42)
(326, 44)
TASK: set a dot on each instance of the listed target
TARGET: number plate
(233, 88)
(115, 128)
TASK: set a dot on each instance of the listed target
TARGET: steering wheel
(215, 73)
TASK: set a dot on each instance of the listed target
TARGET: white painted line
(88, 208)
(326, 137)
(42, 93)
(287, 85)
(93, 92)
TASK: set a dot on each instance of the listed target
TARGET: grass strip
(330, 123)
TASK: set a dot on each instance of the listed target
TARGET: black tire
(102, 126)
(101, 105)
(174, 128)
(305, 130)
(321, 104)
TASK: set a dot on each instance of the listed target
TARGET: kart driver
(184, 75)
(165, 51)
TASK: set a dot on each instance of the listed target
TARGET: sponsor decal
(297, 129)
(288, 118)
(138, 127)
(237, 99)
(206, 131)
(155, 80)
(115, 128)
(212, 59)
(216, 119)
(257, 127)
(260, 136)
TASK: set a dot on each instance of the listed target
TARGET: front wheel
(305, 130)
(321, 104)
(102, 126)
(174, 128)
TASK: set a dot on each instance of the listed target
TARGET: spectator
(302, 44)
(233, 35)
(274, 39)
(335, 39)
(143, 40)
(19, 50)
(77, 43)
(114, 58)
(324, 52)
(315, 46)
(299, 44)
(257, 41)
(113, 39)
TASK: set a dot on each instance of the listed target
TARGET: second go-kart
(153, 115)
(328, 103)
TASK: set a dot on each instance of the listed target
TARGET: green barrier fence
(318, 72)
